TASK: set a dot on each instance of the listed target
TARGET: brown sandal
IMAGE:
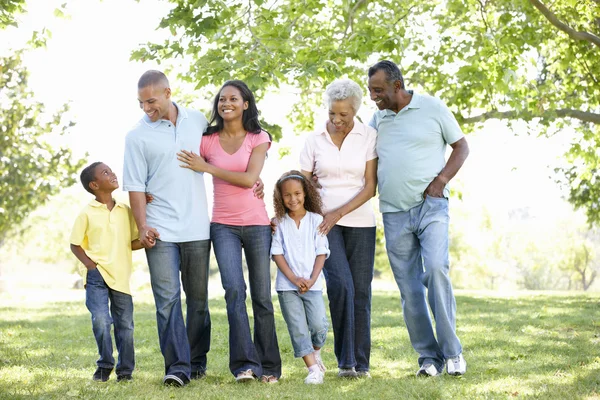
(268, 379)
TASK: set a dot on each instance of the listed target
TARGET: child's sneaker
(456, 365)
(314, 377)
(319, 360)
(102, 374)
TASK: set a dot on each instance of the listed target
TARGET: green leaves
(31, 169)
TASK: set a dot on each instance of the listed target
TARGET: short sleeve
(79, 230)
(204, 145)
(371, 143)
(258, 139)
(277, 241)
(307, 156)
(132, 225)
(373, 123)
(135, 168)
(321, 242)
(450, 129)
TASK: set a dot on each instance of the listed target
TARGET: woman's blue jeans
(261, 355)
(349, 273)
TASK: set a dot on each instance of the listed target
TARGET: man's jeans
(262, 356)
(306, 319)
(97, 296)
(184, 352)
(417, 246)
(349, 273)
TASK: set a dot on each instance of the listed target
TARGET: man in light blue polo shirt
(174, 227)
(413, 132)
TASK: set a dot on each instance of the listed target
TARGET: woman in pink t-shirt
(233, 151)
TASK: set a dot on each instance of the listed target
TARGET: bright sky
(87, 62)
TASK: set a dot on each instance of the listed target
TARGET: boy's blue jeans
(183, 347)
(97, 298)
(349, 273)
(306, 319)
(262, 354)
(417, 247)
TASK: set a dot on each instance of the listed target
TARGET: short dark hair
(249, 117)
(88, 175)
(152, 77)
(392, 72)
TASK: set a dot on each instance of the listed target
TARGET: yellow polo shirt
(106, 238)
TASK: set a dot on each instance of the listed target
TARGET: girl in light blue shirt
(300, 252)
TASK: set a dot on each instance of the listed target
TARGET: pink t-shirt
(234, 205)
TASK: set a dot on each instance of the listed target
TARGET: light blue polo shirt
(179, 210)
(411, 146)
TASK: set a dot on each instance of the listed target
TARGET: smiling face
(105, 179)
(383, 92)
(155, 100)
(231, 104)
(341, 115)
(292, 194)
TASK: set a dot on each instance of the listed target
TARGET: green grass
(544, 346)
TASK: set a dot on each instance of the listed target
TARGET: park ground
(518, 345)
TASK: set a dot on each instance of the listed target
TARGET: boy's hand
(309, 284)
(259, 189)
(91, 266)
(148, 236)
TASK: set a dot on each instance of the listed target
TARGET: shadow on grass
(538, 346)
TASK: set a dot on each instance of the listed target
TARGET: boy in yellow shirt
(103, 236)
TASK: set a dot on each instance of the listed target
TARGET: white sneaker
(314, 377)
(319, 361)
(428, 370)
(456, 366)
(347, 373)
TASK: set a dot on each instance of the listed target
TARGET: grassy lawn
(527, 345)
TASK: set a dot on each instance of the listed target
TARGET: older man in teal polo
(413, 133)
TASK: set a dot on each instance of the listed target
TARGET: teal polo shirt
(411, 146)
(179, 210)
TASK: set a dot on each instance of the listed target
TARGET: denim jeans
(184, 349)
(306, 319)
(417, 247)
(97, 298)
(262, 356)
(349, 273)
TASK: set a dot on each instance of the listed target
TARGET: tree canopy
(32, 169)
(516, 60)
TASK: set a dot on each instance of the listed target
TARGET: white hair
(344, 89)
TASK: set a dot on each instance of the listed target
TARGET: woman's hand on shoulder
(192, 161)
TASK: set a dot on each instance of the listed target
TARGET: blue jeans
(262, 356)
(306, 319)
(184, 349)
(97, 297)
(349, 273)
(417, 246)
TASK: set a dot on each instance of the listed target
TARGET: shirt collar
(357, 128)
(415, 102)
(97, 204)
(181, 115)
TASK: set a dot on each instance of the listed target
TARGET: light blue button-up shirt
(179, 210)
(411, 146)
(300, 247)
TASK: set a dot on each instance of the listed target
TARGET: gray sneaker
(427, 370)
(456, 366)
(347, 373)
(363, 374)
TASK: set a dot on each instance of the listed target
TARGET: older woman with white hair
(341, 154)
